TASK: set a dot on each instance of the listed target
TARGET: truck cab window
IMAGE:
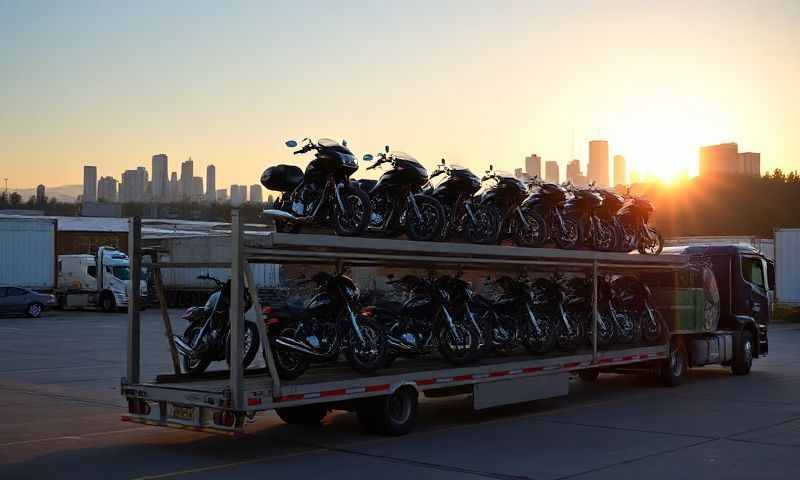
(753, 271)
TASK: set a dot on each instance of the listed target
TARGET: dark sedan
(24, 300)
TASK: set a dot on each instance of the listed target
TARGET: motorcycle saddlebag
(282, 178)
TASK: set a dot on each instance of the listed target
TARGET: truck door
(754, 273)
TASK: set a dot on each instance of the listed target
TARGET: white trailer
(27, 252)
(222, 401)
(787, 265)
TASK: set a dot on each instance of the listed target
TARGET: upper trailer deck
(310, 248)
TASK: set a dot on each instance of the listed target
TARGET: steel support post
(162, 304)
(236, 314)
(262, 332)
(595, 311)
(134, 327)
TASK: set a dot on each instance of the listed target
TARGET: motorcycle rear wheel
(370, 356)
(290, 365)
(360, 207)
(486, 229)
(568, 236)
(605, 237)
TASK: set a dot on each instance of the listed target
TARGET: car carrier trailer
(386, 402)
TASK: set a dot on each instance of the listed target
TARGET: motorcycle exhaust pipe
(292, 344)
(281, 215)
(183, 347)
(399, 345)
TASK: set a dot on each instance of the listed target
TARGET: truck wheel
(303, 415)
(392, 415)
(743, 355)
(589, 376)
(673, 371)
(107, 302)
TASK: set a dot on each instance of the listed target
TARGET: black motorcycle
(543, 208)
(397, 201)
(632, 296)
(207, 338)
(465, 216)
(323, 195)
(503, 200)
(562, 304)
(424, 322)
(637, 234)
(582, 209)
(608, 222)
(579, 306)
(520, 313)
(327, 325)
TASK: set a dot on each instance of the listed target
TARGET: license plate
(183, 413)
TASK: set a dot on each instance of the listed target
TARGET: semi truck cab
(101, 280)
(746, 282)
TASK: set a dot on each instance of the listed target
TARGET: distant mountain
(64, 193)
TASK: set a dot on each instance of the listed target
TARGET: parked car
(24, 300)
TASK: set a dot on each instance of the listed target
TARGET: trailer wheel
(589, 375)
(107, 302)
(743, 355)
(673, 370)
(303, 415)
(392, 415)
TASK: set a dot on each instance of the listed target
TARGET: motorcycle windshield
(211, 303)
(328, 143)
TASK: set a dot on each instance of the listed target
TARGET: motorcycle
(322, 195)
(207, 337)
(327, 325)
(543, 208)
(397, 201)
(637, 234)
(582, 209)
(424, 322)
(520, 314)
(632, 296)
(561, 302)
(608, 221)
(503, 200)
(463, 214)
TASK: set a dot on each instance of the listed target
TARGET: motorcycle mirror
(291, 143)
(368, 157)
(386, 148)
(344, 142)
(443, 161)
(491, 167)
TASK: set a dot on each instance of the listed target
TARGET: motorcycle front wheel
(369, 355)
(193, 365)
(428, 227)
(654, 246)
(567, 237)
(605, 237)
(570, 339)
(653, 330)
(543, 342)
(486, 227)
(535, 234)
(356, 221)
(459, 350)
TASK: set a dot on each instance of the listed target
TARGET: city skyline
(664, 82)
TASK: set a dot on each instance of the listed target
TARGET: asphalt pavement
(60, 418)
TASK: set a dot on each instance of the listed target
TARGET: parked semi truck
(101, 280)
(715, 300)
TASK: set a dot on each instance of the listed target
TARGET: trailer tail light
(266, 310)
(272, 321)
(225, 418)
(368, 311)
(137, 406)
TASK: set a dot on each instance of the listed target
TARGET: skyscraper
(89, 183)
(574, 172)
(750, 163)
(533, 165)
(597, 170)
(222, 195)
(142, 184)
(551, 171)
(238, 195)
(620, 177)
(160, 185)
(256, 194)
(130, 188)
(197, 189)
(107, 189)
(174, 189)
(723, 158)
(187, 173)
(40, 194)
(211, 183)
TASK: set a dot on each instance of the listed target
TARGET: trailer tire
(392, 415)
(107, 302)
(589, 376)
(674, 368)
(743, 355)
(303, 415)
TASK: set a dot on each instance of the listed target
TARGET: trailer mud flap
(518, 390)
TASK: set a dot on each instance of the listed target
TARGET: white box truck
(101, 280)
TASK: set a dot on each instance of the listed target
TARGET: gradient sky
(112, 83)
